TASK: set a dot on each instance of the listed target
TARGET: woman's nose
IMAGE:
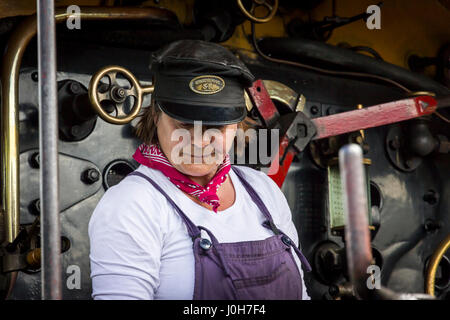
(209, 136)
(205, 139)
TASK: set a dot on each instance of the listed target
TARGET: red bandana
(152, 156)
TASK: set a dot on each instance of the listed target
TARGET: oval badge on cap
(207, 84)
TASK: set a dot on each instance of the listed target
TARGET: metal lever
(357, 236)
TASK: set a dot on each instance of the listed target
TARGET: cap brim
(209, 115)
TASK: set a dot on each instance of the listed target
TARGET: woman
(184, 225)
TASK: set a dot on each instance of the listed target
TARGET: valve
(250, 14)
(116, 94)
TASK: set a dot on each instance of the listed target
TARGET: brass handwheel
(116, 94)
(434, 264)
(250, 14)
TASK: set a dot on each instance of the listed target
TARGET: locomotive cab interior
(313, 60)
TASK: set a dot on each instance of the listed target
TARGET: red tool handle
(345, 122)
(374, 116)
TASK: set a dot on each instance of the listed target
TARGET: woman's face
(193, 149)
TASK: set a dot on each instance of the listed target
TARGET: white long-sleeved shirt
(140, 246)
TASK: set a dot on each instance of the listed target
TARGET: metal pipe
(48, 146)
(357, 237)
(348, 60)
(11, 61)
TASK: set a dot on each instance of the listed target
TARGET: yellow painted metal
(407, 27)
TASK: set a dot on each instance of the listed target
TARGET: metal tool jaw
(298, 128)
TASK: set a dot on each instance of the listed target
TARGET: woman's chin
(197, 170)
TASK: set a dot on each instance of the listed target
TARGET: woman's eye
(184, 125)
(189, 126)
(214, 127)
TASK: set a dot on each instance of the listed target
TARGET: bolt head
(91, 176)
(75, 88)
(121, 92)
(35, 76)
(75, 130)
(35, 207)
(331, 111)
(35, 160)
(118, 94)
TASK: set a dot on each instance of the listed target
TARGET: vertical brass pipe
(11, 61)
(10, 123)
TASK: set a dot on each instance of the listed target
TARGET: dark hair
(146, 127)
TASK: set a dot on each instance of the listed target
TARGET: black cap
(199, 80)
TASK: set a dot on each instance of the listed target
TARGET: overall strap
(256, 198)
(299, 253)
(193, 231)
(269, 223)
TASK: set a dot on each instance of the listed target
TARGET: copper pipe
(11, 62)
(12, 281)
(357, 237)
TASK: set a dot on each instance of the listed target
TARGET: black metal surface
(401, 243)
(76, 116)
(212, 22)
(105, 145)
(115, 172)
(220, 16)
(409, 142)
(322, 30)
(396, 148)
(325, 54)
(329, 263)
(72, 188)
(402, 239)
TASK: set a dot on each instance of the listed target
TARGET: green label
(336, 197)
